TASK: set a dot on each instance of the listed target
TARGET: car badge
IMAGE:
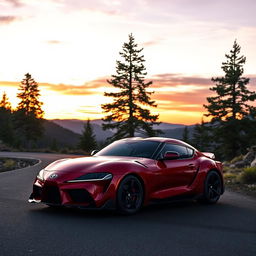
(53, 176)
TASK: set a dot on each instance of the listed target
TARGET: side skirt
(175, 199)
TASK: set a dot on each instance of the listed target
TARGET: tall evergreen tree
(126, 114)
(28, 116)
(5, 103)
(233, 96)
(29, 97)
(202, 138)
(6, 126)
(87, 140)
(185, 134)
(230, 109)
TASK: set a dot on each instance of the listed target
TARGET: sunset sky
(71, 48)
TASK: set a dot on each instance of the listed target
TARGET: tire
(130, 195)
(212, 188)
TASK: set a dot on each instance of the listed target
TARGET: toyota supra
(129, 174)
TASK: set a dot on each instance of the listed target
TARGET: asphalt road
(187, 228)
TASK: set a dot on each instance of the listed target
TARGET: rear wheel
(130, 195)
(212, 188)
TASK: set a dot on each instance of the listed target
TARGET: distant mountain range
(57, 136)
(77, 126)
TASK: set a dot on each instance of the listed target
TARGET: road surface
(227, 228)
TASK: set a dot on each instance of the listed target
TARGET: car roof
(160, 139)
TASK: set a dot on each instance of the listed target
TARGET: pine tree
(87, 140)
(28, 116)
(185, 134)
(6, 125)
(232, 97)
(230, 109)
(201, 137)
(126, 114)
(29, 97)
(4, 103)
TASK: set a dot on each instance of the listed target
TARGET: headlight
(97, 176)
(40, 175)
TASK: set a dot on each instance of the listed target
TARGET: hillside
(55, 135)
(77, 127)
(178, 132)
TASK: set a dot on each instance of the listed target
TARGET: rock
(250, 156)
(226, 163)
(240, 164)
(253, 163)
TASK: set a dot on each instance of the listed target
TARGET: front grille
(51, 195)
(37, 192)
(80, 196)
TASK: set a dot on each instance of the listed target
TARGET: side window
(190, 152)
(182, 150)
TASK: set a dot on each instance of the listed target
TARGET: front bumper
(88, 195)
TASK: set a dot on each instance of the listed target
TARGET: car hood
(72, 168)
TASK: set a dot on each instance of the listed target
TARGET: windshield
(130, 148)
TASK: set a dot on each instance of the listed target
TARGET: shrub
(226, 169)
(248, 176)
(230, 178)
(9, 164)
(229, 175)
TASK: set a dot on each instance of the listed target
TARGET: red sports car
(130, 173)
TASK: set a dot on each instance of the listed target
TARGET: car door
(177, 172)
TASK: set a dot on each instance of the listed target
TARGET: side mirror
(94, 152)
(171, 155)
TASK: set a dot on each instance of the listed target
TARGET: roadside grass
(241, 180)
(248, 175)
(9, 164)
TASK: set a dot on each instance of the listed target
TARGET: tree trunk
(130, 120)
(234, 102)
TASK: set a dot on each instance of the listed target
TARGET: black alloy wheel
(130, 195)
(212, 188)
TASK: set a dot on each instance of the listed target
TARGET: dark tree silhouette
(5, 103)
(28, 116)
(233, 96)
(202, 138)
(126, 114)
(29, 97)
(6, 126)
(185, 134)
(87, 140)
(230, 109)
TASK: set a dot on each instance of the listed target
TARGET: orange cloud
(88, 88)
(7, 19)
(174, 80)
(67, 89)
(53, 42)
(187, 97)
(150, 43)
(15, 3)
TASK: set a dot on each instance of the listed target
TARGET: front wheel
(212, 188)
(130, 195)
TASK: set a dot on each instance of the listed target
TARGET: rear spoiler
(209, 155)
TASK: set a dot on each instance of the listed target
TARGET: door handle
(191, 166)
